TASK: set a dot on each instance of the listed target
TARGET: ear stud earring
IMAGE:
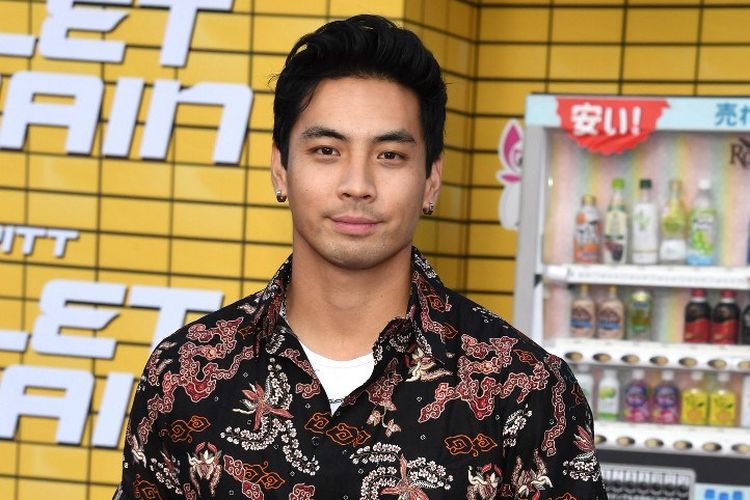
(429, 209)
(280, 197)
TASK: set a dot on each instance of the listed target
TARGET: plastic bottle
(673, 248)
(615, 246)
(745, 335)
(725, 321)
(586, 381)
(608, 396)
(665, 407)
(582, 314)
(745, 402)
(640, 310)
(587, 238)
(645, 228)
(723, 403)
(636, 407)
(697, 318)
(694, 401)
(610, 317)
(701, 249)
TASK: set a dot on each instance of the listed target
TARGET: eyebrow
(400, 135)
(317, 131)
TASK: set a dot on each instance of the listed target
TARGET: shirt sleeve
(147, 471)
(549, 441)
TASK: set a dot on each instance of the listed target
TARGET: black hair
(362, 46)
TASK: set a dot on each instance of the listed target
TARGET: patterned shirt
(460, 405)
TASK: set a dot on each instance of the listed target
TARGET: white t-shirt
(340, 378)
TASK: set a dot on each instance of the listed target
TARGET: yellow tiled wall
(159, 223)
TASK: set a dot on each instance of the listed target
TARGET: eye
(325, 151)
(391, 156)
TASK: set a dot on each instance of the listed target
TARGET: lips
(354, 225)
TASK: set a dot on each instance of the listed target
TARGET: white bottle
(586, 381)
(703, 226)
(745, 402)
(608, 396)
(645, 227)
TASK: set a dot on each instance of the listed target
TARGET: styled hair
(363, 46)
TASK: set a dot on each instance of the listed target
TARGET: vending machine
(633, 265)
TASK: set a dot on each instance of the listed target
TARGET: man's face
(356, 173)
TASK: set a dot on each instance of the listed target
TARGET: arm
(552, 433)
(148, 469)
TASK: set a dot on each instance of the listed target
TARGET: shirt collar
(424, 323)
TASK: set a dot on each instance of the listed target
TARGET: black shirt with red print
(459, 405)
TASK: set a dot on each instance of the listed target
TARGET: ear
(432, 186)
(278, 172)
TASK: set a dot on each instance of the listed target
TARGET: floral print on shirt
(460, 405)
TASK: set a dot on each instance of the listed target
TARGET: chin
(357, 256)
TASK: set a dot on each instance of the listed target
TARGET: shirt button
(315, 441)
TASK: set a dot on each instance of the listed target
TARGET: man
(355, 373)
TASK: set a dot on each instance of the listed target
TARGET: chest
(270, 431)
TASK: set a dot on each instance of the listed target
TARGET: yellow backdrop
(126, 210)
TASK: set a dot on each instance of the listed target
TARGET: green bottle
(639, 311)
(673, 249)
(701, 249)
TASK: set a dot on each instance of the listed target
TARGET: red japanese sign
(609, 125)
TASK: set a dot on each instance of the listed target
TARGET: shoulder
(484, 341)
(473, 323)
(217, 336)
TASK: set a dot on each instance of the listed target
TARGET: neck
(339, 312)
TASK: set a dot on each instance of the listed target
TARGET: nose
(357, 180)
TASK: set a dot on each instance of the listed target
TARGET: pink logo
(510, 152)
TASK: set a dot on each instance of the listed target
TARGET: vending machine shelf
(716, 277)
(682, 439)
(627, 353)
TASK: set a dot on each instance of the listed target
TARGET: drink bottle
(614, 250)
(640, 310)
(725, 320)
(673, 249)
(587, 236)
(697, 318)
(582, 314)
(722, 403)
(586, 381)
(645, 229)
(701, 248)
(665, 405)
(745, 402)
(608, 396)
(610, 317)
(745, 335)
(694, 401)
(636, 400)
